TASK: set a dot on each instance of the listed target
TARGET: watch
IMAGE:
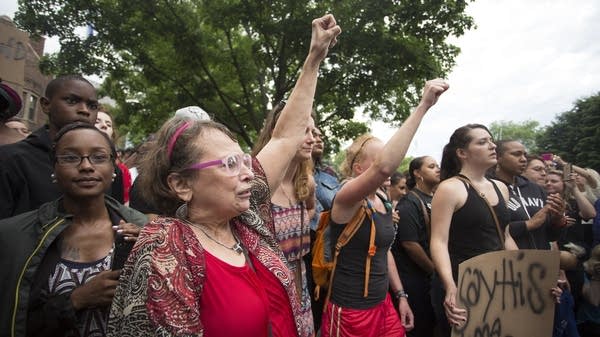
(400, 293)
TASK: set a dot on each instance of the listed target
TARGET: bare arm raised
(349, 197)
(291, 126)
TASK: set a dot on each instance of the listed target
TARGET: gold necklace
(481, 194)
(236, 248)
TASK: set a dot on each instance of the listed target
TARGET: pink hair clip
(174, 137)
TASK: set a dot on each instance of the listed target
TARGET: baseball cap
(193, 112)
(12, 99)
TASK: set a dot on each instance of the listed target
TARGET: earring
(182, 211)
(53, 177)
(114, 175)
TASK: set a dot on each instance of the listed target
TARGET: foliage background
(236, 58)
(525, 132)
(575, 134)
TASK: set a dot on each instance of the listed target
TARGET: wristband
(400, 293)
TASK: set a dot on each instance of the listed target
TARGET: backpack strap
(466, 180)
(425, 213)
(352, 227)
(370, 253)
(347, 234)
(384, 199)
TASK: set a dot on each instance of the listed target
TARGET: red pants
(379, 321)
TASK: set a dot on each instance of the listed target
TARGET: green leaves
(575, 134)
(525, 132)
(234, 58)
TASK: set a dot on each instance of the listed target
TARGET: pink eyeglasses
(232, 163)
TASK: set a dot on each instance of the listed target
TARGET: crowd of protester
(187, 235)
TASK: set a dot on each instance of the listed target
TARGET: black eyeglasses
(75, 160)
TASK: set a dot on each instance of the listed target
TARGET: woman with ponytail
(462, 223)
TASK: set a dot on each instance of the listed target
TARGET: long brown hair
(301, 179)
(460, 139)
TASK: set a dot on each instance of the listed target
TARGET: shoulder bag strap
(298, 262)
(425, 213)
(348, 232)
(500, 232)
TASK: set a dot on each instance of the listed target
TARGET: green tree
(338, 159)
(526, 132)
(405, 163)
(575, 134)
(235, 58)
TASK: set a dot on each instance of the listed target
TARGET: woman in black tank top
(462, 225)
(359, 302)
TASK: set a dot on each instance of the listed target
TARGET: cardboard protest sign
(507, 293)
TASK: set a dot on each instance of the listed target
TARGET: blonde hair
(354, 153)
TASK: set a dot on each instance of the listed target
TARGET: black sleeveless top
(348, 281)
(473, 229)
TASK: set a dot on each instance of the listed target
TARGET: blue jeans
(564, 317)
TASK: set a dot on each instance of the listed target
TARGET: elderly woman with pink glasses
(212, 266)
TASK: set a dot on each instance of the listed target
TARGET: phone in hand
(547, 156)
(121, 252)
(567, 170)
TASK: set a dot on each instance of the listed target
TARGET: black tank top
(473, 229)
(348, 281)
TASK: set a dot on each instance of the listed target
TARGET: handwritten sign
(507, 294)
